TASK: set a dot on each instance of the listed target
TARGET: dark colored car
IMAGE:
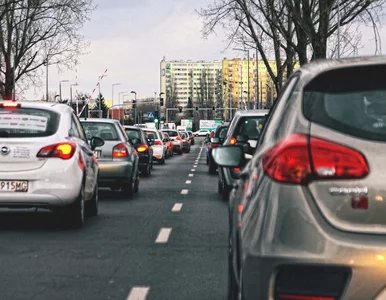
(191, 136)
(244, 130)
(216, 141)
(144, 148)
(185, 141)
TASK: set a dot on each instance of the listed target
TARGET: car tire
(75, 212)
(212, 167)
(161, 161)
(207, 160)
(219, 186)
(93, 203)
(226, 190)
(233, 292)
(136, 184)
(127, 190)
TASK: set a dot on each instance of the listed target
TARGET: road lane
(116, 251)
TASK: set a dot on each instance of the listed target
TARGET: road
(169, 242)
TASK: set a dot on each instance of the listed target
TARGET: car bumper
(56, 184)
(114, 170)
(158, 152)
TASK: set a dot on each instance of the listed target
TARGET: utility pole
(338, 28)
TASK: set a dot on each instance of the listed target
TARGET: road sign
(150, 114)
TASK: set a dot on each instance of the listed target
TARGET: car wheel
(233, 292)
(127, 191)
(207, 160)
(212, 167)
(75, 214)
(93, 203)
(226, 190)
(136, 184)
(219, 186)
(180, 152)
(161, 161)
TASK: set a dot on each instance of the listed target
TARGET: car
(185, 141)
(138, 138)
(216, 141)
(201, 133)
(307, 214)
(159, 149)
(46, 160)
(118, 159)
(168, 143)
(244, 130)
(191, 136)
(176, 140)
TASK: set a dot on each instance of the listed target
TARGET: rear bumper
(114, 171)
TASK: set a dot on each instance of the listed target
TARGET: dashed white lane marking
(177, 207)
(188, 182)
(163, 235)
(191, 175)
(195, 166)
(193, 170)
(184, 192)
(138, 293)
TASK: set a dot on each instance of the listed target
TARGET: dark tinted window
(28, 122)
(172, 133)
(250, 126)
(105, 131)
(349, 100)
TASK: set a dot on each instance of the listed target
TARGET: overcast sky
(130, 38)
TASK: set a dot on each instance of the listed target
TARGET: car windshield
(105, 131)
(27, 123)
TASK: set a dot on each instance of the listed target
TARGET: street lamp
(249, 104)
(135, 109)
(119, 105)
(75, 84)
(112, 92)
(60, 89)
(99, 96)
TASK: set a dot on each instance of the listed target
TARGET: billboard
(209, 124)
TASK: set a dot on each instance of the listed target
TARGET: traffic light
(134, 103)
(161, 101)
(213, 108)
(180, 108)
(156, 116)
(196, 108)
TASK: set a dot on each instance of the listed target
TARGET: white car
(202, 132)
(159, 149)
(46, 161)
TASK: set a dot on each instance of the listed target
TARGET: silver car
(117, 158)
(307, 217)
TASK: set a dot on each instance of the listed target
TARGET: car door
(79, 137)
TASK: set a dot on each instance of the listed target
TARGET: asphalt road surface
(169, 242)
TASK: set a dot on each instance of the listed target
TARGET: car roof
(133, 127)
(53, 106)
(252, 112)
(99, 120)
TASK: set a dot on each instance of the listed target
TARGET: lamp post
(135, 109)
(75, 84)
(338, 28)
(99, 96)
(60, 89)
(249, 104)
(46, 64)
(112, 92)
(119, 104)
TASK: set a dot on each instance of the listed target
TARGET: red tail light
(120, 150)
(301, 297)
(81, 163)
(10, 104)
(157, 142)
(178, 138)
(183, 140)
(232, 141)
(299, 159)
(215, 145)
(142, 148)
(62, 150)
(236, 170)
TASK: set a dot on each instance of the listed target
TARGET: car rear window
(132, 133)
(250, 126)
(222, 132)
(172, 133)
(349, 100)
(104, 131)
(28, 122)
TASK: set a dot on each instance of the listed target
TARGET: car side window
(74, 132)
(277, 110)
(79, 128)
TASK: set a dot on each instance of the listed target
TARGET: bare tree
(35, 32)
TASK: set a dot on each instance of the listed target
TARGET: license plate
(97, 154)
(13, 186)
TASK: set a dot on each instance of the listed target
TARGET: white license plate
(13, 186)
(97, 154)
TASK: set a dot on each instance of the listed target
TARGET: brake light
(62, 150)
(81, 163)
(157, 142)
(299, 159)
(142, 148)
(178, 138)
(183, 140)
(232, 141)
(301, 297)
(237, 170)
(120, 150)
(10, 104)
(215, 145)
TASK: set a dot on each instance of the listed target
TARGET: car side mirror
(96, 142)
(215, 140)
(228, 156)
(151, 142)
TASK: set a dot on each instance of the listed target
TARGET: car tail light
(183, 140)
(178, 138)
(10, 104)
(301, 297)
(62, 150)
(237, 170)
(232, 141)
(142, 148)
(81, 163)
(120, 150)
(215, 145)
(157, 142)
(299, 159)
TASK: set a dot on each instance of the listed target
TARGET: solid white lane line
(177, 207)
(184, 192)
(163, 235)
(191, 175)
(188, 182)
(138, 293)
